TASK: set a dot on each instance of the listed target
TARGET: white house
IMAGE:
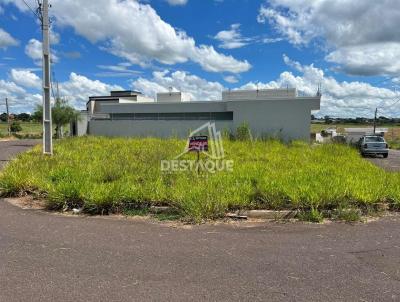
(270, 113)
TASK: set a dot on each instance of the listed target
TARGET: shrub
(312, 215)
(243, 132)
(15, 127)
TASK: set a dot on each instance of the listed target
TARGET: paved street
(8, 149)
(51, 257)
(392, 163)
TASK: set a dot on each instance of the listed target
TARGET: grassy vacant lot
(28, 128)
(109, 175)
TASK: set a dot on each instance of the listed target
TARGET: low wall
(145, 128)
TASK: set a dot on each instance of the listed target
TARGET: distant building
(270, 113)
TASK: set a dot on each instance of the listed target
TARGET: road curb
(255, 214)
(160, 210)
(263, 214)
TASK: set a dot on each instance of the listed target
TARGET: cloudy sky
(350, 47)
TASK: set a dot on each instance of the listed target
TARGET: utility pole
(47, 124)
(376, 114)
(8, 118)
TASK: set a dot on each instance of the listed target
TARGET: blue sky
(205, 46)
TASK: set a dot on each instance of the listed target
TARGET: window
(374, 139)
(178, 116)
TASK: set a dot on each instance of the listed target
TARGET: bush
(243, 132)
(15, 127)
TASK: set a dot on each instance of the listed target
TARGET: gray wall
(164, 129)
(284, 118)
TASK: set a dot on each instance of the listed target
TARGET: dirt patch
(27, 203)
(7, 139)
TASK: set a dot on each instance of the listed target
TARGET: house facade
(277, 113)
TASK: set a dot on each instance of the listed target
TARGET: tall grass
(394, 144)
(106, 175)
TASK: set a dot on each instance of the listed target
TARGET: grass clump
(103, 175)
(348, 214)
(312, 215)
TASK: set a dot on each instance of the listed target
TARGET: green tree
(25, 117)
(61, 114)
(3, 117)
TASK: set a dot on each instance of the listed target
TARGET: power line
(398, 100)
(32, 10)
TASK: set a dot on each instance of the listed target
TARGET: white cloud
(78, 88)
(10, 88)
(371, 59)
(354, 31)
(212, 61)
(177, 2)
(339, 98)
(119, 70)
(199, 89)
(18, 3)
(231, 38)
(18, 98)
(135, 32)
(6, 39)
(54, 37)
(34, 50)
(271, 40)
(231, 79)
(25, 78)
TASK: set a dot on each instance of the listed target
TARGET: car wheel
(385, 155)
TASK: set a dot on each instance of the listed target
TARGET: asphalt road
(9, 149)
(51, 257)
(392, 163)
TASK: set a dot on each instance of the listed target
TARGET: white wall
(82, 124)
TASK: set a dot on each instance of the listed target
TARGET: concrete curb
(269, 214)
(255, 214)
(263, 214)
(160, 210)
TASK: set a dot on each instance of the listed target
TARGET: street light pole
(47, 124)
(8, 118)
(376, 114)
